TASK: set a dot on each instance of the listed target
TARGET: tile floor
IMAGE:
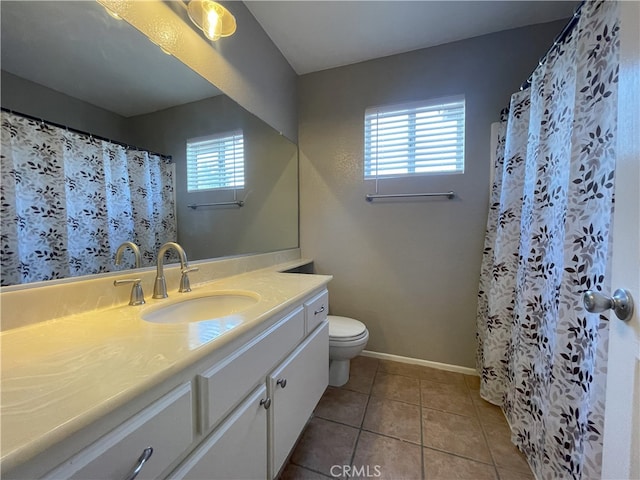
(399, 421)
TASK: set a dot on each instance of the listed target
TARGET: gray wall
(33, 99)
(269, 219)
(408, 270)
(258, 76)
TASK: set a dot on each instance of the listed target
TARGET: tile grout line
(402, 374)
(485, 436)
(419, 405)
(457, 455)
(355, 447)
(307, 468)
(491, 422)
(391, 437)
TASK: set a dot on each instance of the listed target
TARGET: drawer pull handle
(319, 311)
(266, 403)
(146, 455)
(282, 382)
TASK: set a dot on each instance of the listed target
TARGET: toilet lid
(344, 327)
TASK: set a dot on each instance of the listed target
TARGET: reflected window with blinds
(419, 138)
(215, 162)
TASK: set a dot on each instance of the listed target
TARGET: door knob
(621, 303)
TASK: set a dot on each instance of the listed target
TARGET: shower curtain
(541, 356)
(69, 200)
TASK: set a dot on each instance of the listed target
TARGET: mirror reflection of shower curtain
(541, 356)
(69, 200)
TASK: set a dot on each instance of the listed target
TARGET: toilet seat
(344, 329)
(353, 338)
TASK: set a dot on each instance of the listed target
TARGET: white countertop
(61, 375)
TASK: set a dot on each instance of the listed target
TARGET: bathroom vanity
(103, 393)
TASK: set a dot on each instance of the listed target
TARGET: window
(215, 162)
(414, 139)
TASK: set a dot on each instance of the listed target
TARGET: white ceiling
(316, 35)
(75, 48)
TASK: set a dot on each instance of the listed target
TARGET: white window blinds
(414, 139)
(215, 161)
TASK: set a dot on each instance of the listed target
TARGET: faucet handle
(137, 295)
(185, 285)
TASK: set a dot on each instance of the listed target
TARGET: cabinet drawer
(295, 388)
(166, 426)
(237, 449)
(316, 310)
(221, 387)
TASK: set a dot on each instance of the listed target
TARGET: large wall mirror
(72, 64)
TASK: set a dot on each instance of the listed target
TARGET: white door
(621, 458)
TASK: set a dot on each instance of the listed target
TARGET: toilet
(347, 339)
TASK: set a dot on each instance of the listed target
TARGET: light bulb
(212, 18)
(212, 26)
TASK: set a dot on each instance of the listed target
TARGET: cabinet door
(237, 449)
(306, 373)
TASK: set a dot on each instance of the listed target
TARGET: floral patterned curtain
(541, 356)
(69, 200)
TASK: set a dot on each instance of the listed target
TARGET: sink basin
(200, 309)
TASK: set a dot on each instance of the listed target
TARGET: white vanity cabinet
(234, 414)
(291, 371)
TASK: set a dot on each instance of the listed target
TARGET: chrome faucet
(134, 248)
(137, 295)
(160, 286)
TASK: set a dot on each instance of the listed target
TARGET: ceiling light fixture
(212, 18)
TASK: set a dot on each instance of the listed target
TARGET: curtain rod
(563, 34)
(88, 134)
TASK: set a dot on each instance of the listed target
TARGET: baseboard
(424, 363)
